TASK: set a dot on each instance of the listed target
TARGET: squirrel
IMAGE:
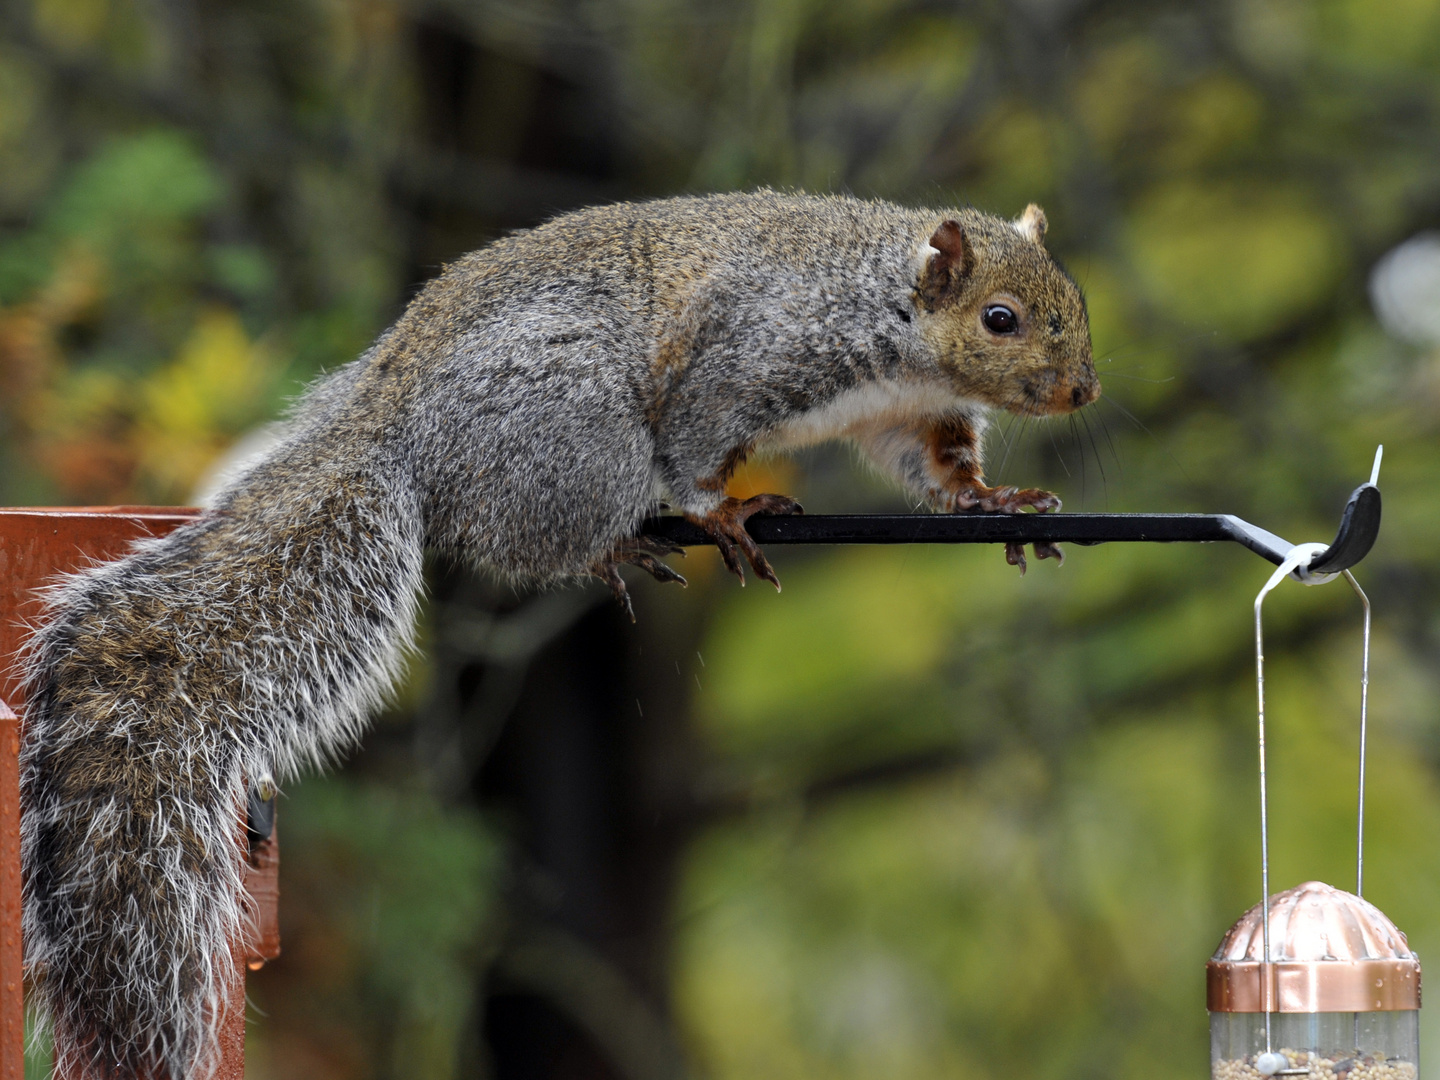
(526, 412)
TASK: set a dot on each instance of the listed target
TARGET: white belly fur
(868, 409)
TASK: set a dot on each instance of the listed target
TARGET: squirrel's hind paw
(726, 526)
(641, 551)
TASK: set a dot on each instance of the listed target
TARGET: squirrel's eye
(999, 319)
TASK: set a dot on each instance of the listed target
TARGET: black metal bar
(1358, 528)
(960, 528)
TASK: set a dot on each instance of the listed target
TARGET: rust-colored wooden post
(36, 544)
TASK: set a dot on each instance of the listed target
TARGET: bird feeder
(1313, 981)
(1339, 999)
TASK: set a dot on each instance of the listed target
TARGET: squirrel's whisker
(1099, 461)
(1139, 378)
(1105, 430)
(1049, 430)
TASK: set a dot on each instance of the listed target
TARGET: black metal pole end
(1359, 526)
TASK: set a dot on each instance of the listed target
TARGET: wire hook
(1297, 563)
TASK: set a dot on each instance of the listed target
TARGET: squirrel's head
(1007, 323)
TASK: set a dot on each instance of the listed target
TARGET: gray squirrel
(525, 414)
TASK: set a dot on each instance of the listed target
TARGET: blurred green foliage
(392, 915)
(968, 824)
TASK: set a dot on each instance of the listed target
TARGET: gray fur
(522, 414)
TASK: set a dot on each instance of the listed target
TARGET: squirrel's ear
(950, 263)
(1032, 224)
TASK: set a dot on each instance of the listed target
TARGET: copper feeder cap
(1330, 951)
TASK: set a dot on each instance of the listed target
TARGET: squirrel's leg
(706, 423)
(641, 551)
(939, 459)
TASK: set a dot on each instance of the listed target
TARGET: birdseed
(1354, 1067)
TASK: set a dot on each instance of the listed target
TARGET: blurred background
(917, 817)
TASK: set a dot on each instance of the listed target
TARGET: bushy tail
(254, 640)
(132, 896)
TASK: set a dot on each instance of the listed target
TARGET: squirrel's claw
(1045, 549)
(1015, 556)
(656, 569)
(732, 561)
(726, 526)
(609, 572)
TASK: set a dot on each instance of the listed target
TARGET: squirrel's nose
(1085, 390)
(1068, 392)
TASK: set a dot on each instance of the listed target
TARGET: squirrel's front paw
(1010, 500)
(1003, 500)
(726, 526)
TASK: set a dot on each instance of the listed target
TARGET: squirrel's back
(506, 370)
